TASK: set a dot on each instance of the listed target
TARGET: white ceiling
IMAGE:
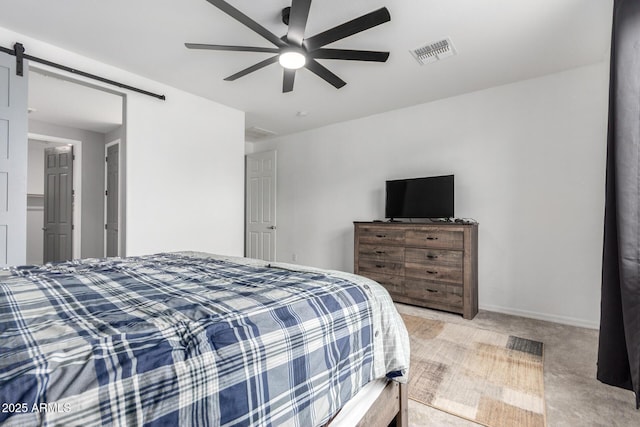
(498, 42)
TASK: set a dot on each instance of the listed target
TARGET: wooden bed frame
(389, 409)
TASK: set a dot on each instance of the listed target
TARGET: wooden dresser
(432, 265)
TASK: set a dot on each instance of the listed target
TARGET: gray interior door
(13, 163)
(112, 194)
(58, 203)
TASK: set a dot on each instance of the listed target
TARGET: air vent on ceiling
(255, 133)
(433, 52)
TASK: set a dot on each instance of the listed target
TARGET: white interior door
(13, 163)
(261, 206)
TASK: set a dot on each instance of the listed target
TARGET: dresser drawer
(434, 257)
(436, 292)
(439, 273)
(380, 267)
(435, 239)
(381, 253)
(393, 284)
(381, 235)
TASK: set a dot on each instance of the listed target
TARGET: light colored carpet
(490, 378)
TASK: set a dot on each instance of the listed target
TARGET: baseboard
(572, 321)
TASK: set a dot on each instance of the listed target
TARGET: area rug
(490, 378)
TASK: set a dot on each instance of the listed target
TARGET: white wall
(35, 176)
(185, 183)
(184, 162)
(528, 160)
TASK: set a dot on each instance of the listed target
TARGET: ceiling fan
(294, 50)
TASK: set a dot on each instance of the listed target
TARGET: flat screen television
(430, 197)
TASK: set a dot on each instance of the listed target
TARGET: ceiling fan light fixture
(292, 59)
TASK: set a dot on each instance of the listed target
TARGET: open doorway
(68, 113)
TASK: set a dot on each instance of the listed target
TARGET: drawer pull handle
(432, 238)
(432, 256)
(432, 272)
(381, 235)
(380, 252)
(379, 265)
(433, 291)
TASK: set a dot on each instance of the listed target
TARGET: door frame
(106, 148)
(77, 186)
(75, 79)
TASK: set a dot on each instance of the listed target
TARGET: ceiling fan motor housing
(286, 12)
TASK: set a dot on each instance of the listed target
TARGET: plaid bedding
(190, 339)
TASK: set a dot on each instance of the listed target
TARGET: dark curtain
(619, 347)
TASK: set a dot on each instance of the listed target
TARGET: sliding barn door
(13, 163)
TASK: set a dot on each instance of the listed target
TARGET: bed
(196, 339)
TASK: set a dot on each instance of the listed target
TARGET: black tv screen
(430, 197)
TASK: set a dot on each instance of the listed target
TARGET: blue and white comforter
(190, 339)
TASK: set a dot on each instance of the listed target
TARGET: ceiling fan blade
(231, 48)
(298, 21)
(319, 70)
(253, 68)
(244, 19)
(350, 55)
(347, 29)
(287, 81)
